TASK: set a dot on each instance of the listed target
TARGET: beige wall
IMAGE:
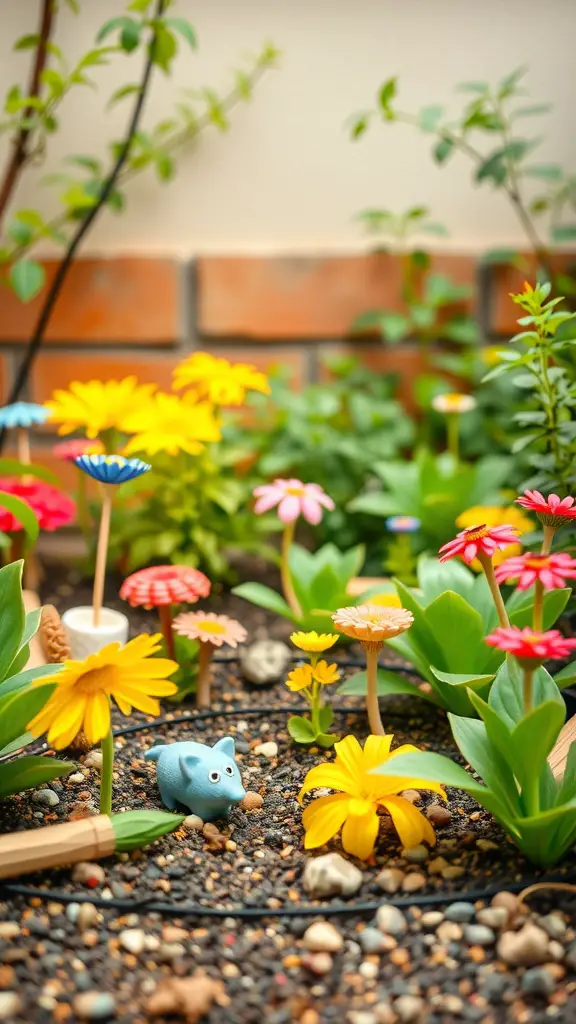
(286, 178)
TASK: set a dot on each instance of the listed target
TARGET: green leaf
(326, 739)
(385, 97)
(325, 717)
(375, 503)
(13, 467)
(507, 695)
(301, 729)
(454, 686)
(393, 326)
(21, 510)
(18, 710)
(12, 615)
(163, 47)
(443, 150)
(389, 683)
(534, 737)
(563, 233)
(265, 597)
(29, 772)
(122, 92)
(486, 759)
(457, 629)
(520, 607)
(184, 28)
(566, 676)
(547, 172)
(27, 278)
(134, 829)
(567, 790)
(30, 629)
(129, 28)
(429, 117)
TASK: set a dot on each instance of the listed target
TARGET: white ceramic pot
(85, 638)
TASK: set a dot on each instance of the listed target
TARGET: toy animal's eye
(214, 777)
(229, 769)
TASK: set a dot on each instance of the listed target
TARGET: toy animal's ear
(226, 744)
(187, 763)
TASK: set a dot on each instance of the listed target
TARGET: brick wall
(142, 315)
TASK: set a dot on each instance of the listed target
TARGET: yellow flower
(314, 642)
(95, 405)
(170, 425)
(300, 678)
(454, 402)
(81, 700)
(495, 515)
(355, 806)
(386, 601)
(222, 382)
(491, 355)
(325, 673)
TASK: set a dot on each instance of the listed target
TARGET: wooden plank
(557, 759)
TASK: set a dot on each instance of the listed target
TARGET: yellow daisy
(495, 515)
(300, 678)
(314, 642)
(218, 380)
(81, 700)
(386, 600)
(95, 406)
(325, 673)
(360, 795)
(170, 425)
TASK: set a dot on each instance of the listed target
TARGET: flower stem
(538, 613)
(107, 747)
(372, 706)
(549, 532)
(23, 446)
(287, 588)
(453, 430)
(486, 563)
(101, 555)
(165, 616)
(315, 706)
(204, 674)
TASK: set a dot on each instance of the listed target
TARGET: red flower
(529, 646)
(551, 511)
(551, 571)
(51, 507)
(484, 539)
(72, 450)
(163, 585)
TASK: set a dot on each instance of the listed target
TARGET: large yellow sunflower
(81, 700)
(95, 406)
(218, 380)
(354, 808)
(168, 424)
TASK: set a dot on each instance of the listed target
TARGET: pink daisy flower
(551, 571)
(484, 539)
(531, 647)
(551, 511)
(208, 627)
(293, 499)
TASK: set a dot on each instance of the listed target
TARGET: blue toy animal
(204, 779)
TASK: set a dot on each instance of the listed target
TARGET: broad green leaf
(566, 676)
(487, 761)
(30, 629)
(420, 632)
(265, 597)
(498, 733)
(301, 729)
(326, 740)
(13, 467)
(507, 695)
(453, 689)
(374, 503)
(435, 577)
(21, 511)
(12, 615)
(18, 710)
(28, 772)
(325, 717)
(386, 95)
(27, 278)
(24, 740)
(184, 28)
(535, 735)
(324, 589)
(457, 630)
(23, 679)
(389, 683)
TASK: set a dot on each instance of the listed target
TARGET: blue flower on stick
(112, 469)
(402, 524)
(22, 414)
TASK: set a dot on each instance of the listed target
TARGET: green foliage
(39, 115)
(135, 829)
(541, 357)
(453, 611)
(319, 579)
(19, 700)
(508, 749)
(434, 488)
(21, 510)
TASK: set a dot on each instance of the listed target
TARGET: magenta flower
(483, 539)
(551, 571)
(551, 511)
(293, 499)
(528, 646)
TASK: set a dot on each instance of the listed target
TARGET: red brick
(408, 361)
(4, 378)
(506, 279)
(124, 300)
(53, 370)
(266, 298)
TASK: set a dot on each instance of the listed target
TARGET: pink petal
(267, 501)
(289, 508)
(311, 509)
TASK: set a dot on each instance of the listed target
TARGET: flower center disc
(476, 532)
(358, 808)
(210, 627)
(296, 491)
(537, 561)
(97, 680)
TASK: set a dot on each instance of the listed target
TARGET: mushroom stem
(204, 675)
(165, 615)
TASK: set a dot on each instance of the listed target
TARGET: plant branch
(20, 153)
(61, 274)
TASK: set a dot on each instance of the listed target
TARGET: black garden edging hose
(151, 905)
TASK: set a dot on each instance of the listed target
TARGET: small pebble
(438, 815)
(416, 854)
(94, 1005)
(317, 963)
(368, 970)
(9, 930)
(553, 925)
(431, 919)
(87, 916)
(460, 911)
(509, 901)
(409, 1008)
(371, 940)
(10, 1005)
(331, 875)
(132, 940)
(93, 759)
(268, 750)
(46, 798)
(390, 880)
(493, 917)
(525, 948)
(449, 931)
(86, 873)
(252, 801)
(76, 778)
(391, 920)
(192, 823)
(413, 882)
(322, 937)
(538, 981)
(479, 935)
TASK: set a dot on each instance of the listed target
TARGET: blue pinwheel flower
(403, 524)
(22, 414)
(112, 469)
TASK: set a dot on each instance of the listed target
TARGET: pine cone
(53, 637)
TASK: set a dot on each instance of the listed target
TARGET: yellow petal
(323, 819)
(67, 723)
(359, 834)
(409, 822)
(376, 751)
(349, 755)
(97, 717)
(331, 775)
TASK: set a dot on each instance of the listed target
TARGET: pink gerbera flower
(551, 571)
(293, 499)
(51, 506)
(72, 450)
(484, 539)
(531, 647)
(551, 511)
